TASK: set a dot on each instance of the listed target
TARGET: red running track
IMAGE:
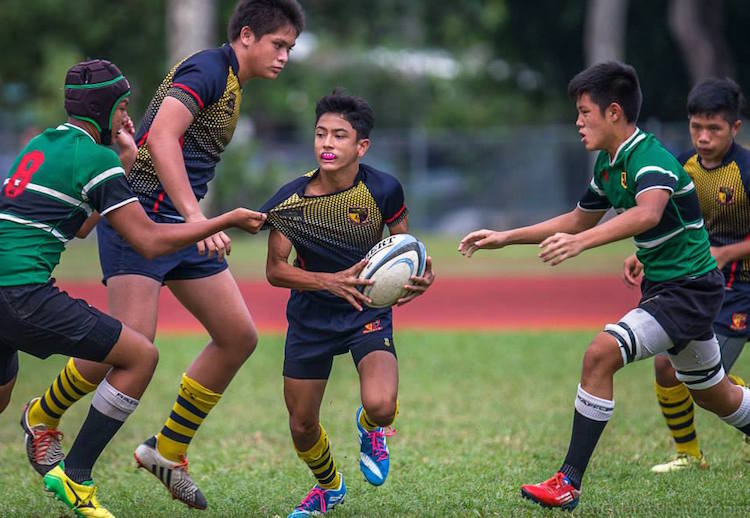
(451, 303)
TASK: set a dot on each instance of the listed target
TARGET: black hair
(715, 96)
(355, 110)
(264, 17)
(608, 83)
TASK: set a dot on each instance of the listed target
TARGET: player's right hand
(250, 220)
(480, 239)
(632, 271)
(344, 284)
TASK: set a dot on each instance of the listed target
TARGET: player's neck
(620, 134)
(87, 127)
(334, 181)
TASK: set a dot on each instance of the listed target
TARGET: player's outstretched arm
(645, 215)
(572, 222)
(154, 239)
(283, 275)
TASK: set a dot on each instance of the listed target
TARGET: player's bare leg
(5, 392)
(378, 380)
(303, 398)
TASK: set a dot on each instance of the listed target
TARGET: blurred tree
(605, 30)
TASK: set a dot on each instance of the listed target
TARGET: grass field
(480, 415)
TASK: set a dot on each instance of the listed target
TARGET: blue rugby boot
(373, 451)
(320, 500)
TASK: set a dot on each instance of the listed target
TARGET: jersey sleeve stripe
(192, 92)
(689, 187)
(395, 216)
(656, 169)
(579, 207)
(100, 178)
(60, 196)
(663, 187)
(118, 205)
(596, 188)
(35, 224)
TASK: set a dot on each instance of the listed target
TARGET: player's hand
(125, 139)
(481, 239)
(218, 244)
(559, 247)
(249, 220)
(718, 254)
(632, 271)
(344, 284)
(419, 284)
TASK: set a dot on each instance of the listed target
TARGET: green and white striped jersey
(57, 181)
(678, 245)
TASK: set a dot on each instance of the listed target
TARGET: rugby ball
(391, 263)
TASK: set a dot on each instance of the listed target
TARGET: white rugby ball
(391, 263)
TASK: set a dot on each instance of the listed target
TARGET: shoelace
(556, 482)
(377, 440)
(43, 440)
(309, 501)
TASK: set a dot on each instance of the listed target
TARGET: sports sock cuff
(671, 394)
(318, 449)
(593, 407)
(204, 398)
(77, 378)
(740, 418)
(113, 403)
(574, 475)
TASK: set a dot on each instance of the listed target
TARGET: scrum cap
(93, 89)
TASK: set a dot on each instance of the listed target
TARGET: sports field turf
(481, 413)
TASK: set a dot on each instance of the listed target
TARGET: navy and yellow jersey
(207, 84)
(57, 181)
(678, 245)
(723, 197)
(331, 233)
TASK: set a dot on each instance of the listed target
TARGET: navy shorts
(685, 307)
(41, 320)
(312, 359)
(733, 316)
(117, 257)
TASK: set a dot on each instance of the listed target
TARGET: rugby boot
(174, 475)
(320, 500)
(43, 447)
(81, 498)
(374, 460)
(555, 492)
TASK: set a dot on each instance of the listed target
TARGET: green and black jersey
(678, 245)
(57, 181)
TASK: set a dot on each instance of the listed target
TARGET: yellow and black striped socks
(68, 387)
(320, 461)
(677, 408)
(194, 402)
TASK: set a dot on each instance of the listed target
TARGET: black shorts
(733, 317)
(314, 359)
(41, 320)
(685, 307)
(117, 257)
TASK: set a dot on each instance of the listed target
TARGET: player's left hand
(718, 253)
(125, 139)
(419, 284)
(559, 247)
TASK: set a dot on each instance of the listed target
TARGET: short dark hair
(264, 17)
(716, 96)
(355, 110)
(608, 83)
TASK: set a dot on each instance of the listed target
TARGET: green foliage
(481, 414)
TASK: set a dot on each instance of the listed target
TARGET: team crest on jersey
(373, 326)
(624, 180)
(725, 196)
(358, 215)
(739, 321)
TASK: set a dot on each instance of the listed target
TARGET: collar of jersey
(728, 158)
(301, 191)
(73, 126)
(629, 143)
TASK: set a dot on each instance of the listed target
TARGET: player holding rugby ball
(331, 217)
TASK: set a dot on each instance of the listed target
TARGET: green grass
(480, 415)
(248, 259)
